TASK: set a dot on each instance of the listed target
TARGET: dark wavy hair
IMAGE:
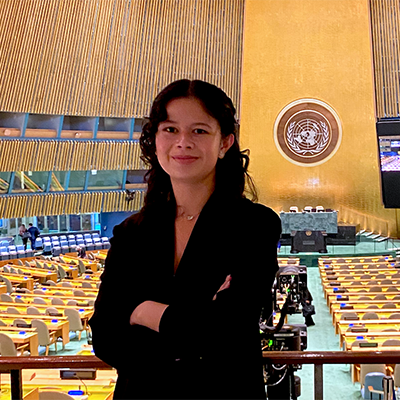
(231, 171)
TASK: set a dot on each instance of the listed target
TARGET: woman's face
(189, 143)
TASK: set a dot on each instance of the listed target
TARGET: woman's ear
(226, 144)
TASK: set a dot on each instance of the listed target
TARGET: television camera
(289, 294)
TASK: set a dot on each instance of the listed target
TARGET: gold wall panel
(18, 206)
(57, 155)
(110, 58)
(317, 49)
(385, 18)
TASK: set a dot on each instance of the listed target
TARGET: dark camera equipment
(290, 285)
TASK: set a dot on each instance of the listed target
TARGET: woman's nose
(184, 140)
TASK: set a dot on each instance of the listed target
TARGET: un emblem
(307, 132)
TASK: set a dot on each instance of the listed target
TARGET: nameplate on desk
(77, 373)
(308, 242)
(54, 314)
(359, 330)
(332, 278)
(346, 307)
(334, 283)
(350, 317)
(367, 344)
(24, 325)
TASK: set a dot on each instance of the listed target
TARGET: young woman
(187, 277)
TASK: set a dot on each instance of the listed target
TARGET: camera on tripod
(288, 295)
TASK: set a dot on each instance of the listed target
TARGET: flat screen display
(389, 156)
(389, 152)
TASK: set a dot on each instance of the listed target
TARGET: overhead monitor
(389, 162)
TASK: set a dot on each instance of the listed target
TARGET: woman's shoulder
(258, 210)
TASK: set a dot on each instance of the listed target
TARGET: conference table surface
(41, 275)
(372, 332)
(24, 281)
(60, 325)
(59, 288)
(376, 324)
(375, 337)
(382, 313)
(352, 300)
(28, 298)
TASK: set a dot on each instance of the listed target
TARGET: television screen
(389, 151)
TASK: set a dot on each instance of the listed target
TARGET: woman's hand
(148, 314)
(224, 286)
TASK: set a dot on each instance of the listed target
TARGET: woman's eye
(200, 131)
(170, 129)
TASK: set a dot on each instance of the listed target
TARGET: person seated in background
(81, 252)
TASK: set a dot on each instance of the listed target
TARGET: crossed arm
(149, 313)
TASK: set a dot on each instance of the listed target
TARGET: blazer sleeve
(115, 341)
(234, 315)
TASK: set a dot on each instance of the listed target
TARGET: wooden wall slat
(110, 58)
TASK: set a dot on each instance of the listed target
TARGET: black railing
(14, 365)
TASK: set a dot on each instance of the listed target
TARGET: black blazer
(205, 348)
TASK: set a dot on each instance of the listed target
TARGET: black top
(205, 348)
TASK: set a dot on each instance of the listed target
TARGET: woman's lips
(185, 159)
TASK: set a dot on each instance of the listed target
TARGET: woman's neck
(190, 199)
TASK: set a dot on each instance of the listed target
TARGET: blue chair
(105, 242)
(95, 235)
(62, 238)
(12, 251)
(64, 246)
(79, 236)
(39, 243)
(29, 253)
(87, 236)
(20, 251)
(47, 250)
(89, 244)
(4, 255)
(80, 242)
(56, 249)
(97, 243)
(373, 379)
(72, 245)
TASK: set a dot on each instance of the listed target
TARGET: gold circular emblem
(308, 132)
(308, 233)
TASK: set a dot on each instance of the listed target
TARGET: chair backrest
(81, 267)
(72, 303)
(386, 282)
(375, 289)
(38, 242)
(396, 375)
(39, 300)
(370, 315)
(61, 272)
(54, 395)
(79, 293)
(51, 310)
(42, 330)
(389, 305)
(380, 297)
(391, 342)
(394, 316)
(8, 284)
(373, 379)
(32, 311)
(12, 310)
(87, 285)
(67, 284)
(18, 321)
(348, 316)
(56, 301)
(368, 368)
(2, 323)
(39, 291)
(51, 282)
(7, 347)
(74, 319)
(20, 247)
(6, 298)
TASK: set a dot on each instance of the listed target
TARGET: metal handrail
(14, 365)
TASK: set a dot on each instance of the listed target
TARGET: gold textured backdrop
(317, 49)
(111, 57)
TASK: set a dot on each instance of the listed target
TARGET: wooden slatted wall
(111, 57)
(69, 155)
(385, 23)
(18, 206)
